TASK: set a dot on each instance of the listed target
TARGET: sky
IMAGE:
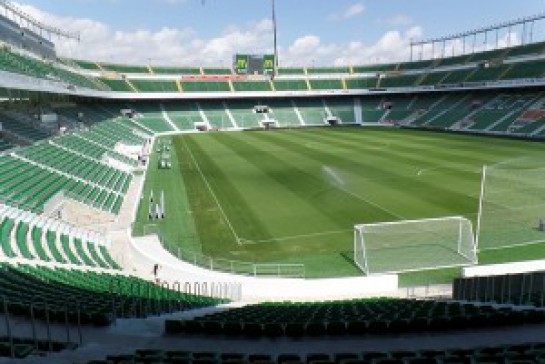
(310, 32)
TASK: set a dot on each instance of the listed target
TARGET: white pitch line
(535, 242)
(435, 169)
(294, 237)
(213, 194)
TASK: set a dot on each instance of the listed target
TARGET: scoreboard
(254, 64)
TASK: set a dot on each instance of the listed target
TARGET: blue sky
(317, 31)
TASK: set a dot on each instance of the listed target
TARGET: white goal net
(411, 245)
(512, 209)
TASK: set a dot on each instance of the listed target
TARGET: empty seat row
(358, 317)
(87, 297)
(522, 353)
(29, 236)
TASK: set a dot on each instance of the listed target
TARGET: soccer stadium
(261, 203)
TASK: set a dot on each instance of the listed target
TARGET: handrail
(38, 301)
(227, 265)
(8, 326)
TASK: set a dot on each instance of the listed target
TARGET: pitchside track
(294, 196)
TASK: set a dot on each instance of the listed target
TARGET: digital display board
(254, 64)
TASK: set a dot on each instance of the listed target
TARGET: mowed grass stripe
(211, 224)
(486, 144)
(329, 191)
(452, 172)
(206, 148)
(407, 159)
(454, 165)
(455, 154)
(473, 148)
(418, 190)
(311, 197)
(271, 200)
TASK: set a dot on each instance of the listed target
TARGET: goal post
(412, 245)
(512, 204)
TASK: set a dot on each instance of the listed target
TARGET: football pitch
(294, 196)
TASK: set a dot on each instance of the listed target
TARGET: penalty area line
(292, 237)
(222, 211)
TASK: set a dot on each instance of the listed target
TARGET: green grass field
(293, 196)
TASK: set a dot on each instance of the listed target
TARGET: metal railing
(227, 265)
(38, 304)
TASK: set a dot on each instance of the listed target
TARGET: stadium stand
(283, 111)
(516, 289)
(490, 73)
(432, 78)
(489, 64)
(372, 112)
(183, 115)
(31, 237)
(417, 65)
(487, 55)
(290, 85)
(531, 69)
(373, 316)
(164, 70)
(501, 112)
(291, 71)
(527, 353)
(361, 83)
(215, 114)
(21, 127)
(243, 114)
(326, 84)
(87, 65)
(526, 50)
(151, 116)
(343, 109)
(155, 86)
(124, 68)
(26, 65)
(47, 155)
(455, 60)
(374, 68)
(327, 70)
(117, 84)
(399, 81)
(450, 111)
(79, 144)
(312, 111)
(206, 86)
(216, 71)
(30, 187)
(87, 295)
(5, 145)
(252, 86)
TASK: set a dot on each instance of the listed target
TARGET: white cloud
(350, 12)
(185, 46)
(391, 47)
(354, 10)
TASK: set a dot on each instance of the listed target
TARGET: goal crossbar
(410, 221)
